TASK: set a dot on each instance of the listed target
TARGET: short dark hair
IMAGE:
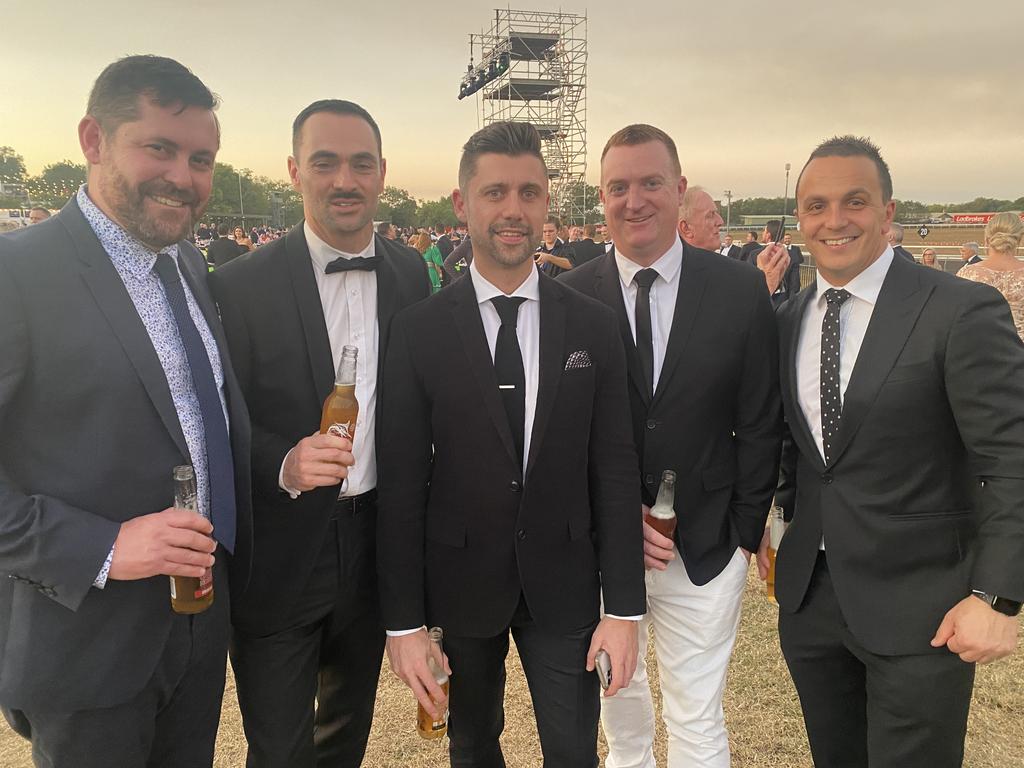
(773, 226)
(223, 228)
(335, 107)
(504, 138)
(114, 98)
(852, 146)
(641, 133)
(40, 208)
(589, 230)
(383, 228)
(552, 219)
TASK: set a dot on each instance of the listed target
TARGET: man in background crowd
(554, 255)
(895, 239)
(969, 253)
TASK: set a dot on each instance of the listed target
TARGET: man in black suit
(750, 246)
(729, 248)
(586, 249)
(554, 256)
(903, 389)
(444, 241)
(113, 371)
(700, 340)
(969, 253)
(895, 238)
(509, 505)
(222, 250)
(309, 624)
(791, 281)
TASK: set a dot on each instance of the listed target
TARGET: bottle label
(205, 584)
(341, 429)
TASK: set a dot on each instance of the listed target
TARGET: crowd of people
(521, 396)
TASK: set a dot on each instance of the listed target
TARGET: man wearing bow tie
(308, 626)
(508, 506)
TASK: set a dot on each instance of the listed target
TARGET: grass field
(761, 707)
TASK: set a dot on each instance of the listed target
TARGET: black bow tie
(342, 264)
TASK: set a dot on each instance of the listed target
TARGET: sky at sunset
(743, 86)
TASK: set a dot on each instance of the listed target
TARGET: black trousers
(565, 696)
(328, 657)
(862, 709)
(171, 723)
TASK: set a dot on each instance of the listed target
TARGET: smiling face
(641, 192)
(504, 204)
(843, 215)
(153, 175)
(340, 173)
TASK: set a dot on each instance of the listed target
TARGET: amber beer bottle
(426, 725)
(189, 594)
(776, 529)
(662, 516)
(341, 407)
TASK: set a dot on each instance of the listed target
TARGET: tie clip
(506, 386)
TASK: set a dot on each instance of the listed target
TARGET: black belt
(355, 505)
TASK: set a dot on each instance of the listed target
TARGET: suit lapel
(471, 332)
(387, 297)
(311, 311)
(789, 332)
(552, 346)
(691, 288)
(899, 304)
(608, 289)
(112, 297)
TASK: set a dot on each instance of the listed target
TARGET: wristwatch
(1001, 604)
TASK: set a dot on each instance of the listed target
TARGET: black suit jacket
(734, 252)
(222, 250)
(276, 330)
(715, 418)
(902, 252)
(462, 531)
(749, 251)
(935, 402)
(90, 436)
(586, 250)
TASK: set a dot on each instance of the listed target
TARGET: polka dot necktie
(831, 402)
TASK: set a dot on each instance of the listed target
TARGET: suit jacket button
(516, 486)
(521, 534)
(651, 424)
(827, 478)
(648, 479)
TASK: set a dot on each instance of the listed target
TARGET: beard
(157, 229)
(330, 220)
(511, 255)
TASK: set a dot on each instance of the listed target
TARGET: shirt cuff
(624, 618)
(280, 479)
(401, 632)
(101, 579)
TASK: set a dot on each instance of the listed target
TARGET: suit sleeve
(404, 455)
(268, 448)
(614, 494)
(984, 376)
(44, 542)
(758, 426)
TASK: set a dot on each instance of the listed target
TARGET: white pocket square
(578, 359)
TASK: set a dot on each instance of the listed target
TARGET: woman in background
(1001, 268)
(432, 256)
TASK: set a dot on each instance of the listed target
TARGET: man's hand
(976, 632)
(174, 542)
(657, 548)
(317, 461)
(773, 260)
(763, 563)
(541, 257)
(408, 657)
(618, 637)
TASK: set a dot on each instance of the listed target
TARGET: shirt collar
(135, 256)
(485, 290)
(865, 286)
(667, 266)
(323, 254)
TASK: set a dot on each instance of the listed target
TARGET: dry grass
(761, 708)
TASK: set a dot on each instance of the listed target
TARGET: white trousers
(694, 633)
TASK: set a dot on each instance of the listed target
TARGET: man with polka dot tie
(904, 394)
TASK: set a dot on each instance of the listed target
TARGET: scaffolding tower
(533, 68)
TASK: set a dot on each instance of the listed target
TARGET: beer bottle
(662, 516)
(426, 726)
(341, 407)
(776, 528)
(189, 594)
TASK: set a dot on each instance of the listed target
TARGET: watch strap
(1003, 605)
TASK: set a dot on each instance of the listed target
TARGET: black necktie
(508, 365)
(644, 279)
(831, 402)
(341, 264)
(215, 429)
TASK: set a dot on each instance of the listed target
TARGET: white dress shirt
(663, 298)
(854, 316)
(349, 301)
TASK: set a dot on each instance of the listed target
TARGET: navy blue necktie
(219, 462)
(831, 400)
